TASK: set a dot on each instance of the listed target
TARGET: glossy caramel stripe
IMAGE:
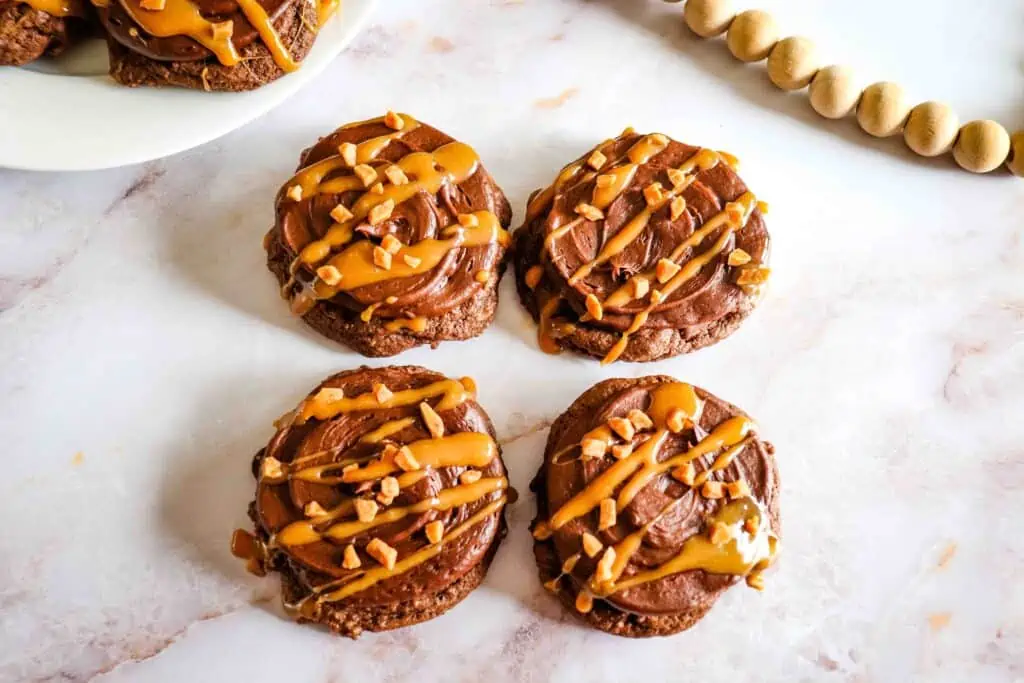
(261, 21)
(453, 392)
(469, 449)
(305, 531)
(360, 581)
(325, 9)
(723, 460)
(387, 429)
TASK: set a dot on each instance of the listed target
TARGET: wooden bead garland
(882, 109)
(834, 92)
(931, 129)
(792, 63)
(982, 146)
(752, 35)
(1016, 162)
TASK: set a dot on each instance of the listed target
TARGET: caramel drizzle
(642, 151)
(467, 449)
(182, 18)
(637, 470)
(306, 531)
(742, 554)
(261, 21)
(664, 399)
(358, 268)
(702, 160)
(463, 449)
(325, 406)
(56, 8)
(427, 172)
(732, 218)
(387, 429)
(361, 580)
(325, 9)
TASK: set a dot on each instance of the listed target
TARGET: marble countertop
(144, 353)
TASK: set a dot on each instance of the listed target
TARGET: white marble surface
(144, 352)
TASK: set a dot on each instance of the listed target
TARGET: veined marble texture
(144, 352)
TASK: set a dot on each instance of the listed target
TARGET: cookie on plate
(653, 499)
(380, 500)
(230, 45)
(642, 248)
(31, 28)
(390, 235)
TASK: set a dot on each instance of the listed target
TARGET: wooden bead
(752, 35)
(882, 110)
(709, 18)
(1016, 161)
(931, 129)
(834, 93)
(982, 146)
(793, 62)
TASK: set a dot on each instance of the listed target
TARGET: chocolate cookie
(230, 45)
(653, 499)
(390, 235)
(643, 248)
(380, 500)
(31, 28)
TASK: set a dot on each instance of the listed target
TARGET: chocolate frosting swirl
(180, 48)
(426, 216)
(575, 258)
(301, 445)
(674, 511)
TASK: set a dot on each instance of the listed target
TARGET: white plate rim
(56, 122)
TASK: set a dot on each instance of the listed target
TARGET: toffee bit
(348, 153)
(593, 448)
(623, 427)
(341, 214)
(435, 531)
(591, 546)
(591, 213)
(382, 552)
(366, 510)
(351, 560)
(406, 460)
(383, 395)
(433, 421)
